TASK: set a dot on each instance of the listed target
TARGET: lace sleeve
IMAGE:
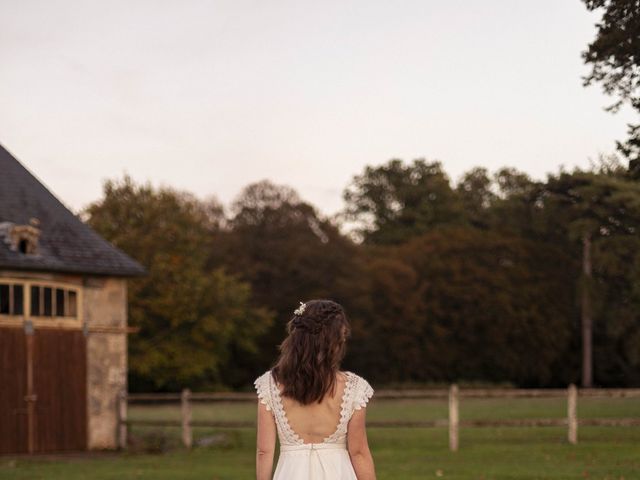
(262, 389)
(363, 392)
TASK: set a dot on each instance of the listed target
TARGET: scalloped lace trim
(288, 435)
(364, 397)
(356, 394)
(261, 389)
(347, 395)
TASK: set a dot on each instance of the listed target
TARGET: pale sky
(208, 96)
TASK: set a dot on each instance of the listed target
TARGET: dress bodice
(357, 393)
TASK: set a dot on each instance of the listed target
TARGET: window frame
(42, 320)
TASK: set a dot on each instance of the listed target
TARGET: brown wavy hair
(310, 356)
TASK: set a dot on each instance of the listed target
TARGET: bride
(317, 410)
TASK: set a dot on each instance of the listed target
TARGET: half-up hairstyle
(310, 356)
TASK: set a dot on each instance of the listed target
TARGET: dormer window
(21, 238)
(23, 246)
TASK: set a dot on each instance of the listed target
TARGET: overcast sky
(208, 96)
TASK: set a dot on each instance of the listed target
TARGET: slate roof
(66, 244)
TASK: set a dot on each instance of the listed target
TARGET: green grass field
(611, 453)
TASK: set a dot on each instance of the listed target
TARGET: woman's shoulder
(354, 377)
(262, 386)
(358, 389)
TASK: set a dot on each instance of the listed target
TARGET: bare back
(317, 421)
(324, 422)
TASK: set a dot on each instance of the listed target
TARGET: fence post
(454, 418)
(187, 437)
(122, 419)
(572, 416)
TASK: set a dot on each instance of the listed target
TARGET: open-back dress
(327, 460)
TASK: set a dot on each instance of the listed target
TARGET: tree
(517, 209)
(393, 202)
(579, 232)
(596, 206)
(288, 253)
(475, 189)
(392, 347)
(614, 56)
(616, 276)
(460, 303)
(190, 317)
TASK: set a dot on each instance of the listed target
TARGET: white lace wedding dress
(328, 460)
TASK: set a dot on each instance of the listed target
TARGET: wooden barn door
(43, 391)
(59, 382)
(13, 390)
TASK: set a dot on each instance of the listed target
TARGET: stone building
(63, 322)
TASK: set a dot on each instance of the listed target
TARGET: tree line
(496, 278)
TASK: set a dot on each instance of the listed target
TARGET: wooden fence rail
(404, 394)
(453, 423)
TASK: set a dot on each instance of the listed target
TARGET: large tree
(389, 204)
(191, 317)
(594, 208)
(516, 210)
(614, 56)
(289, 253)
(476, 191)
(460, 303)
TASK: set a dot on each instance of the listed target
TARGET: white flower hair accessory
(300, 309)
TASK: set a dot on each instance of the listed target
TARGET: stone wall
(105, 313)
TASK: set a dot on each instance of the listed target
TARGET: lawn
(611, 453)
